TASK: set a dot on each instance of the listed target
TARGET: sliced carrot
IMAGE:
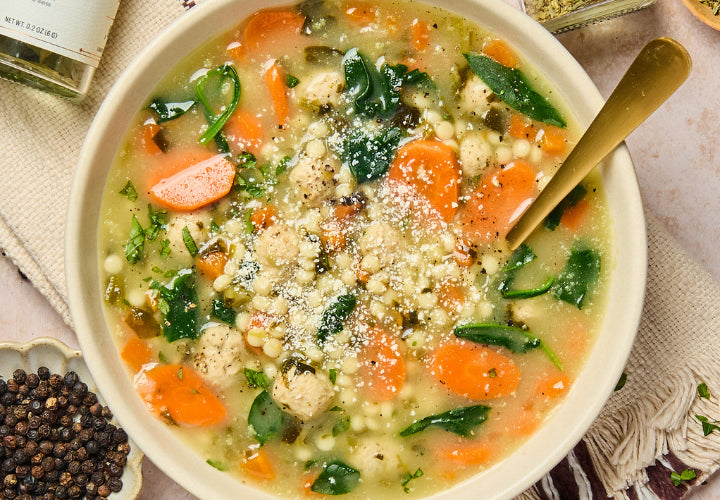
(274, 77)
(420, 35)
(147, 136)
(382, 368)
(500, 198)
(211, 264)
(344, 211)
(245, 132)
(270, 25)
(523, 423)
(361, 13)
(136, 353)
(499, 50)
(474, 371)
(263, 218)
(333, 236)
(573, 217)
(308, 479)
(259, 465)
(521, 127)
(553, 385)
(553, 140)
(450, 295)
(465, 452)
(362, 275)
(196, 186)
(236, 50)
(160, 167)
(463, 254)
(179, 392)
(431, 172)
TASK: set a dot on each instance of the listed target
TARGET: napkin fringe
(660, 432)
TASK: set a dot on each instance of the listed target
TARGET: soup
(303, 259)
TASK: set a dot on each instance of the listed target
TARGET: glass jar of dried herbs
(564, 15)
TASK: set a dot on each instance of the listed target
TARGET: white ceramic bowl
(509, 477)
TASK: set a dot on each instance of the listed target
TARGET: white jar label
(76, 29)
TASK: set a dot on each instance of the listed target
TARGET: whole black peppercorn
(62, 401)
(98, 423)
(12, 385)
(32, 447)
(10, 442)
(83, 454)
(9, 493)
(61, 492)
(10, 481)
(66, 434)
(8, 465)
(32, 380)
(66, 420)
(115, 470)
(106, 413)
(92, 447)
(43, 373)
(48, 464)
(90, 399)
(81, 479)
(74, 491)
(22, 470)
(36, 459)
(21, 441)
(3, 386)
(19, 376)
(36, 407)
(59, 464)
(52, 476)
(88, 467)
(74, 467)
(103, 439)
(43, 431)
(55, 381)
(7, 399)
(104, 490)
(22, 427)
(75, 399)
(37, 471)
(70, 379)
(4, 430)
(34, 422)
(21, 457)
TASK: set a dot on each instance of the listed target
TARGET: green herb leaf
(336, 478)
(513, 338)
(266, 417)
(409, 477)
(369, 156)
(158, 220)
(291, 81)
(282, 166)
(581, 271)
(621, 382)
(222, 312)
(179, 307)
(129, 191)
(708, 426)
(189, 241)
(703, 391)
(686, 475)
(256, 378)
(167, 111)
(341, 425)
(334, 316)
(136, 242)
(460, 421)
(223, 72)
(332, 375)
(512, 87)
(552, 221)
(214, 227)
(522, 256)
(216, 464)
(249, 226)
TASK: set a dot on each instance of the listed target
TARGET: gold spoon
(660, 68)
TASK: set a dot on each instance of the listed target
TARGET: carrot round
(263, 218)
(500, 198)
(382, 367)
(266, 26)
(212, 264)
(361, 12)
(179, 392)
(499, 50)
(553, 385)
(465, 452)
(420, 34)
(574, 217)
(197, 185)
(474, 371)
(147, 136)
(244, 131)
(430, 169)
(136, 353)
(278, 93)
(166, 165)
(259, 465)
(553, 140)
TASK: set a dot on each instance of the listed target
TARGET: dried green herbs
(714, 6)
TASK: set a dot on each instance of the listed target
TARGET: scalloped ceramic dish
(59, 358)
(503, 480)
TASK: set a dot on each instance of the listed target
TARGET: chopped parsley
(684, 476)
(129, 191)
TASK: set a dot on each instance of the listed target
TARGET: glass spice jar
(558, 16)
(54, 45)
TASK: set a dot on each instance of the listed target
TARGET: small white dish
(59, 358)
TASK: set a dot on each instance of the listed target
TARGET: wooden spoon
(660, 68)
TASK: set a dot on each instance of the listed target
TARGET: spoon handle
(658, 70)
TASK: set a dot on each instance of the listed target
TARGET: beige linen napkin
(646, 429)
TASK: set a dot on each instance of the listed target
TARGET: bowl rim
(505, 479)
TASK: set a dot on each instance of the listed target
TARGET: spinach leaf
(189, 241)
(318, 17)
(376, 93)
(266, 417)
(223, 73)
(341, 425)
(573, 198)
(291, 81)
(409, 477)
(369, 156)
(512, 87)
(336, 478)
(179, 305)
(708, 427)
(512, 338)
(158, 220)
(460, 421)
(129, 191)
(256, 378)
(322, 55)
(222, 312)
(703, 391)
(581, 271)
(136, 242)
(522, 256)
(334, 316)
(170, 110)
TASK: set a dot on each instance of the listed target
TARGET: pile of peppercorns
(56, 440)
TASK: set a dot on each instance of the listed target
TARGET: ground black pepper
(56, 440)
